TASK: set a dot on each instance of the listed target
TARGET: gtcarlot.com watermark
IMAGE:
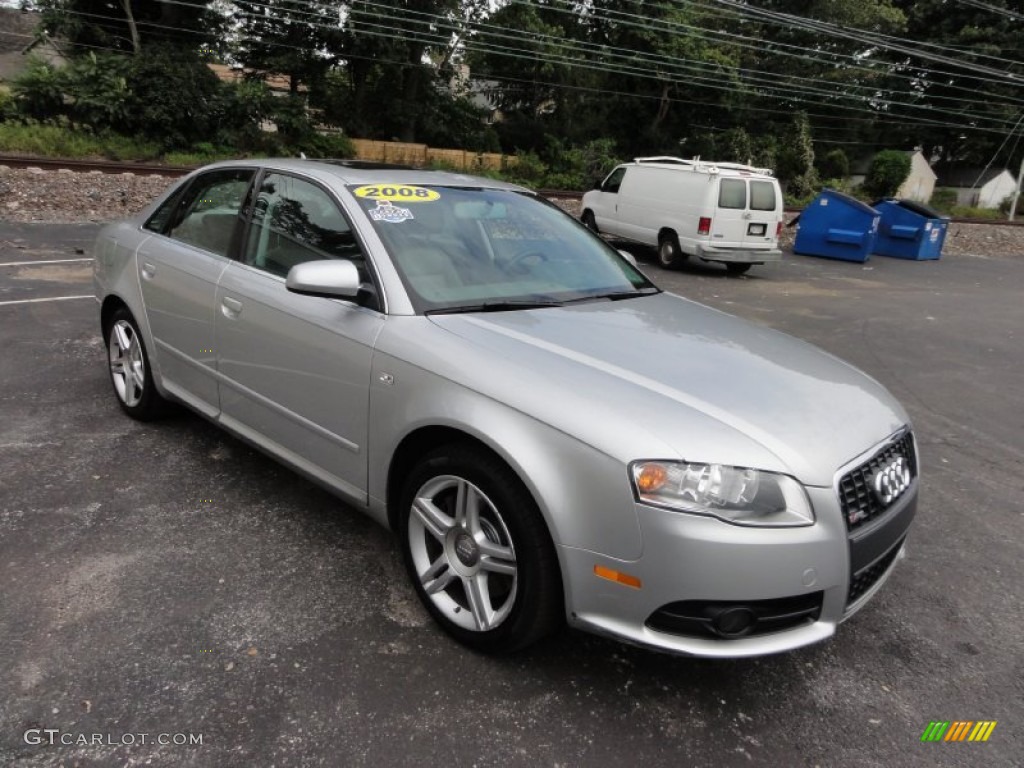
(54, 736)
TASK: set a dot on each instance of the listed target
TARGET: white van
(723, 212)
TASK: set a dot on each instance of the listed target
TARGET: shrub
(888, 170)
(834, 165)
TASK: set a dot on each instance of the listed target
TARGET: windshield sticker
(392, 214)
(397, 193)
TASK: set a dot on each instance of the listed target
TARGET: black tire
(530, 600)
(589, 221)
(735, 270)
(130, 372)
(670, 255)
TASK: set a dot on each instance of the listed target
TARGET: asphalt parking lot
(166, 580)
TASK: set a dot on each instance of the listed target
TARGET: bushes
(888, 170)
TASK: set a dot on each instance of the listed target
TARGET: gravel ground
(28, 195)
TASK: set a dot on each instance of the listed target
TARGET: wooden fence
(420, 155)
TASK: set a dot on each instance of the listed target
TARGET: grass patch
(60, 141)
(966, 212)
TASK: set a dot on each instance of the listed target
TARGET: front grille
(696, 618)
(866, 578)
(856, 496)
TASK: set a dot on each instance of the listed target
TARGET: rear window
(762, 196)
(732, 193)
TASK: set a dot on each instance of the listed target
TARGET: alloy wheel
(462, 553)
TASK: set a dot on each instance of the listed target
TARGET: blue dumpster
(837, 226)
(910, 230)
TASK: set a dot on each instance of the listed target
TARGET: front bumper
(692, 558)
(738, 255)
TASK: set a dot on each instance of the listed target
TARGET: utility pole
(1016, 195)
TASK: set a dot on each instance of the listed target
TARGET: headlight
(733, 494)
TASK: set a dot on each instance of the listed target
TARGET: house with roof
(975, 186)
(919, 185)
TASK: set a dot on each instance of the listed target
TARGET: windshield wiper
(493, 306)
(617, 295)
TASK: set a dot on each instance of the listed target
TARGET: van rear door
(747, 213)
(763, 216)
(729, 227)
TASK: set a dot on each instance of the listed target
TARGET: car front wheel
(478, 551)
(129, 369)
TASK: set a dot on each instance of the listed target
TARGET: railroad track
(84, 166)
(174, 171)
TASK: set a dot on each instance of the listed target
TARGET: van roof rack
(699, 164)
(666, 159)
(742, 167)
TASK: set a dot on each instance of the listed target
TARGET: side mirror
(629, 257)
(330, 279)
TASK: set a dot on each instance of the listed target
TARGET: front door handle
(148, 270)
(231, 307)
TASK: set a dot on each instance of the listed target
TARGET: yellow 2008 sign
(397, 193)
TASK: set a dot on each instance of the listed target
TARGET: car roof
(361, 172)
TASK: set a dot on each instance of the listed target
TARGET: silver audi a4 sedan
(551, 437)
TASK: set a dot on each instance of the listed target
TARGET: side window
(161, 217)
(209, 218)
(294, 221)
(762, 196)
(732, 193)
(614, 180)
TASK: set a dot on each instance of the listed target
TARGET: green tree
(796, 159)
(293, 38)
(129, 25)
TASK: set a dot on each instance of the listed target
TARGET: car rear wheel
(478, 551)
(738, 269)
(670, 255)
(589, 221)
(129, 369)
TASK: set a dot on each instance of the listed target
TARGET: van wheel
(735, 270)
(670, 255)
(590, 222)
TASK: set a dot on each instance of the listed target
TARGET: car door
(606, 202)
(295, 369)
(179, 267)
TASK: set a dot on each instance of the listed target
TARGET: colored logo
(392, 214)
(958, 730)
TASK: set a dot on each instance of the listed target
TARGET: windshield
(483, 249)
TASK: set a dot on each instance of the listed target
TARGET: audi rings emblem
(891, 480)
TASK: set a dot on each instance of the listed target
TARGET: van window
(614, 180)
(732, 193)
(762, 196)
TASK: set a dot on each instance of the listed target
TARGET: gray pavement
(165, 579)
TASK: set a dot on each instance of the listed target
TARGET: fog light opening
(734, 622)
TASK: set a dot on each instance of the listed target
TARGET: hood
(667, 375)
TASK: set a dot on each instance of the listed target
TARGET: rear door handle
(148, 270)
(231, 307)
